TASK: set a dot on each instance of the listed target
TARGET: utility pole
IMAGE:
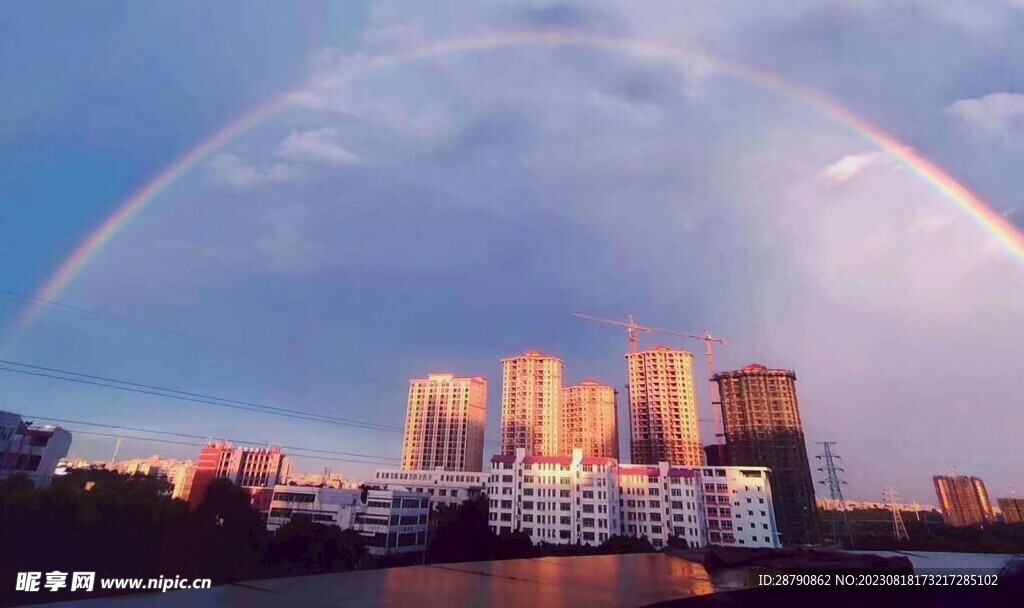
(835, 490)
(899, 531)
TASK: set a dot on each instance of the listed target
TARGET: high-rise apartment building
(1013, 510)
(444, 423)
(589, 420)
(663, 408)
(964, 500)
(531, 390)
(763, 428)
(255, 469)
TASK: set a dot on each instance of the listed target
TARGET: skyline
(442, 215)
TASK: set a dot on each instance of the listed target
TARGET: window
(565, 521)
(527, 504)
(528, 492)
(564, 506)
(588, 522)
(588, 494)
(506, 504)
(588, 508)
(563, 493)
(506, 517)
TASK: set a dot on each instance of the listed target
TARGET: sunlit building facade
(663, 408)
(441, 487)
(586, 500)
(964, 500)
(255, 469)
(589, 420)
(444, 424)
(762, 423)
(531, 392)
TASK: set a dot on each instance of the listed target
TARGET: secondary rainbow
(981, 212)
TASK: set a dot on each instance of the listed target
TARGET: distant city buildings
(444, 425)
(256, 469)
(579, 499)
(531, 392)
(31, 450)
(1013, 510)
(762, 423)
(392, 522)
(441, 487)
(589, 420)
(964, 500)
(828, 504)
(326, 480)
(663, 408)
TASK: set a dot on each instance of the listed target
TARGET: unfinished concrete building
(762, 427)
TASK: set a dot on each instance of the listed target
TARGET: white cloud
(316, 145)
(850, 165)
(232, 170)
(995, 117)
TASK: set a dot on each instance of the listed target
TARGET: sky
(437, 215)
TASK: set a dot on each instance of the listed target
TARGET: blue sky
(440, 215)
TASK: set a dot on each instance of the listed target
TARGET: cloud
(316, 145)
(850, 165)
(997, 117)
(232, 170)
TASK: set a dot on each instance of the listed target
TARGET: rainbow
(1009, 236)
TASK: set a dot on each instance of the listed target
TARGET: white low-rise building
(660, 502)
(738, 507)
(443, 487)
(555, 499)
(31, 450)
(392, 521)
(573, 499)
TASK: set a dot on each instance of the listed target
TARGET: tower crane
(632, 329)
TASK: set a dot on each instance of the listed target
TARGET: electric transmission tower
(899, 531)
(835, 489)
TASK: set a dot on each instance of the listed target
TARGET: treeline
(127, 526)
(122, 526)
(873, 532)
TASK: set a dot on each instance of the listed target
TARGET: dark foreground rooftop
(594, 581)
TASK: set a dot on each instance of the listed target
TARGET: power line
(171, 393)
(200, 445)
(193, 436)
